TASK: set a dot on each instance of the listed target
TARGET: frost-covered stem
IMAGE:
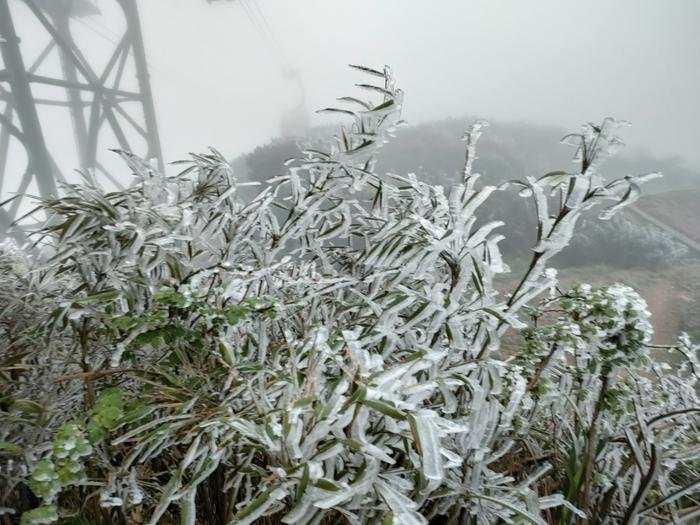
(644, 487)
(533, 265)
(454, 268)
(671, 414)
(501, 323)
(538, 373)
(188, 512)
(536, 258)
(602, 510)
(536, 263)
(87, 379)
(689, 361)
(92, 375)
(591, 444)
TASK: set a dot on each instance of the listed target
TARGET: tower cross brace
(93, 96)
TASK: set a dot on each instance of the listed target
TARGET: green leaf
(12, 449)
(95, 432)
(356, 397)
(385, 408)
(27, 406)
(40, 516)
(303, 483)
(44, 480)
(352, 444)
(254, 505)
(170, 296)
(226, 352)
(303, 402)
(123, 322)
(368, 70)
(236, 313)
(109, 408)
(326, 484)
(103, 296)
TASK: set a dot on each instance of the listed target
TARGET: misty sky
(218, 79)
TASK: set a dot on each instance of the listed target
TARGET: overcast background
(547, 61)
(218, 79)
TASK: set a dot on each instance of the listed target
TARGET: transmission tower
(93, 94)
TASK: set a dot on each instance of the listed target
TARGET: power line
(259, 21)
(97, 32)
(266, 24)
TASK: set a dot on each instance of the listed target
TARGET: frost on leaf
(333, 347)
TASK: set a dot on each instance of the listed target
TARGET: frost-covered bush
(329, 352)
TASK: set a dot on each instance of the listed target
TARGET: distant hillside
(514, 150)
(507, 150)
(628, 249)
(678, 209)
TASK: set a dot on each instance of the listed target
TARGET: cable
(97, 32)
(259, 21)
(251, 17)
(97, 21)
(266, 24)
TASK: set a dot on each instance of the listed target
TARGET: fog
(219, 306)
(219, 82)
(220, 71)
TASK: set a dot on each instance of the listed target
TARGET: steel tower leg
(74, 96)
(94, 96)
(133, 24)
(31, 135)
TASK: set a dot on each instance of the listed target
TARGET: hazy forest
(250, 274)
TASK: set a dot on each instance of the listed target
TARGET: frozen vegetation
(329, 351)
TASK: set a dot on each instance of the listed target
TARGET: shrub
(330, 352)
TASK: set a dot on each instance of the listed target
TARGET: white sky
(562, 62)
(218, 81)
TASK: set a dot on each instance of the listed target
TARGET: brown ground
(673, 294)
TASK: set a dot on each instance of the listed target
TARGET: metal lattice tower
(93, 95)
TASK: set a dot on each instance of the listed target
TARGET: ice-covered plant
(330, 350)
(594, 390)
